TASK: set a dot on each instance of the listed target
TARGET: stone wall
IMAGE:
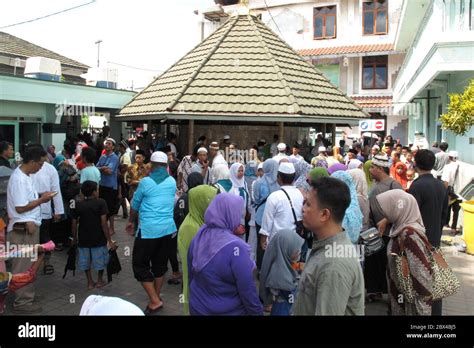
(245, 136)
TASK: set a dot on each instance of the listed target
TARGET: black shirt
(432, 198)
(4, 162)
(89, 212)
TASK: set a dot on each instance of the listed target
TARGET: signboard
(372, 125)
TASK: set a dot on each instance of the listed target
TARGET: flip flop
(148, 311)
(48, 269)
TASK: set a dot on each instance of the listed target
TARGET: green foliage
(460, 116)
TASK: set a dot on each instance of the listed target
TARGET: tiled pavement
(65, 296)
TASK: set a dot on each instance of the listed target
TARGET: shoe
(28, 309)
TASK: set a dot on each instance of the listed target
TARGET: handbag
(445, 282)
(371, 241)
(300, 229)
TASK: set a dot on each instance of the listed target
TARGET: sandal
(174, 281)
(148, 311)
(48, 269)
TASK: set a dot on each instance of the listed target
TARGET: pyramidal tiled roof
(243, 70)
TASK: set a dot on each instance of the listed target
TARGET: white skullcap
(281, 147)
(286, 168)
(322, 149)
(159, 157)
(202, 149)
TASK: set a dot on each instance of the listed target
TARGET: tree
(84, 121)
(460, 116)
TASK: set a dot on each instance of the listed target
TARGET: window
(331, 71)
(325, 22)
(375, 17)
(374, 72)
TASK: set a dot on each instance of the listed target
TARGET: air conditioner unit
(43, 68)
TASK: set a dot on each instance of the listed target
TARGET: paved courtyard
(65, 296)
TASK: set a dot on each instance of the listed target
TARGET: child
(278, 277)
(94, 234)
(410, 178)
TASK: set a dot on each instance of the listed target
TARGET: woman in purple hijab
(221, 270)
(337, 167)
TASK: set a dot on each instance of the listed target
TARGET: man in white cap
(450, 179)
(108, 189)
(322, 156)
(375, 265)
(281, 153)
(278, 215)
(152, 205)
(374, 151)
(215, 156)
(202, 166)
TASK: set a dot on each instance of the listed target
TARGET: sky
(147, 34)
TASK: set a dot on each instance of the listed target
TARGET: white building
(350, 41)
(439, 60)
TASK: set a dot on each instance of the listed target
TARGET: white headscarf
(354, 164)
(220, 172)
(236, 182)
(103, 305)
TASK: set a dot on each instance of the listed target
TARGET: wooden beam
(281, 132)
(190, 136)
(333, 131)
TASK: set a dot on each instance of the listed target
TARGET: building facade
(439, 61)
(350, 41)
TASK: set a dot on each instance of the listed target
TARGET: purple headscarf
(222, 217)
(336, 167)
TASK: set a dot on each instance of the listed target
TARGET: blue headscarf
(159, 175)
(269, 178)
(352, 222)
(58, 160)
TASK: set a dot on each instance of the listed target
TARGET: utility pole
(98, 42)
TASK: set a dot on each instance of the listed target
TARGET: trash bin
(468, 208)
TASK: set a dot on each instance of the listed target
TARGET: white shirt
(173, 149)
(46, 180)
(449, 173)
(20, 192)
(219, 160)
(278, 215)
(279, 157)
(297, 157)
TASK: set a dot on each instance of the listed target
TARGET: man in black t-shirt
(94, 234)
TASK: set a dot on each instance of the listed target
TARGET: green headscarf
(368, 176)
(317, 173)
(199, 199)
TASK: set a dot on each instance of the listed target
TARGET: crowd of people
(231, 217)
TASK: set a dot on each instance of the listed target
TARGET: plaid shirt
(185, 168)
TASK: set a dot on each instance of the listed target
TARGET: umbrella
(71, 261)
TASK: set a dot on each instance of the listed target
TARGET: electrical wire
(273, 19)
(134, 67)
(49, 15)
